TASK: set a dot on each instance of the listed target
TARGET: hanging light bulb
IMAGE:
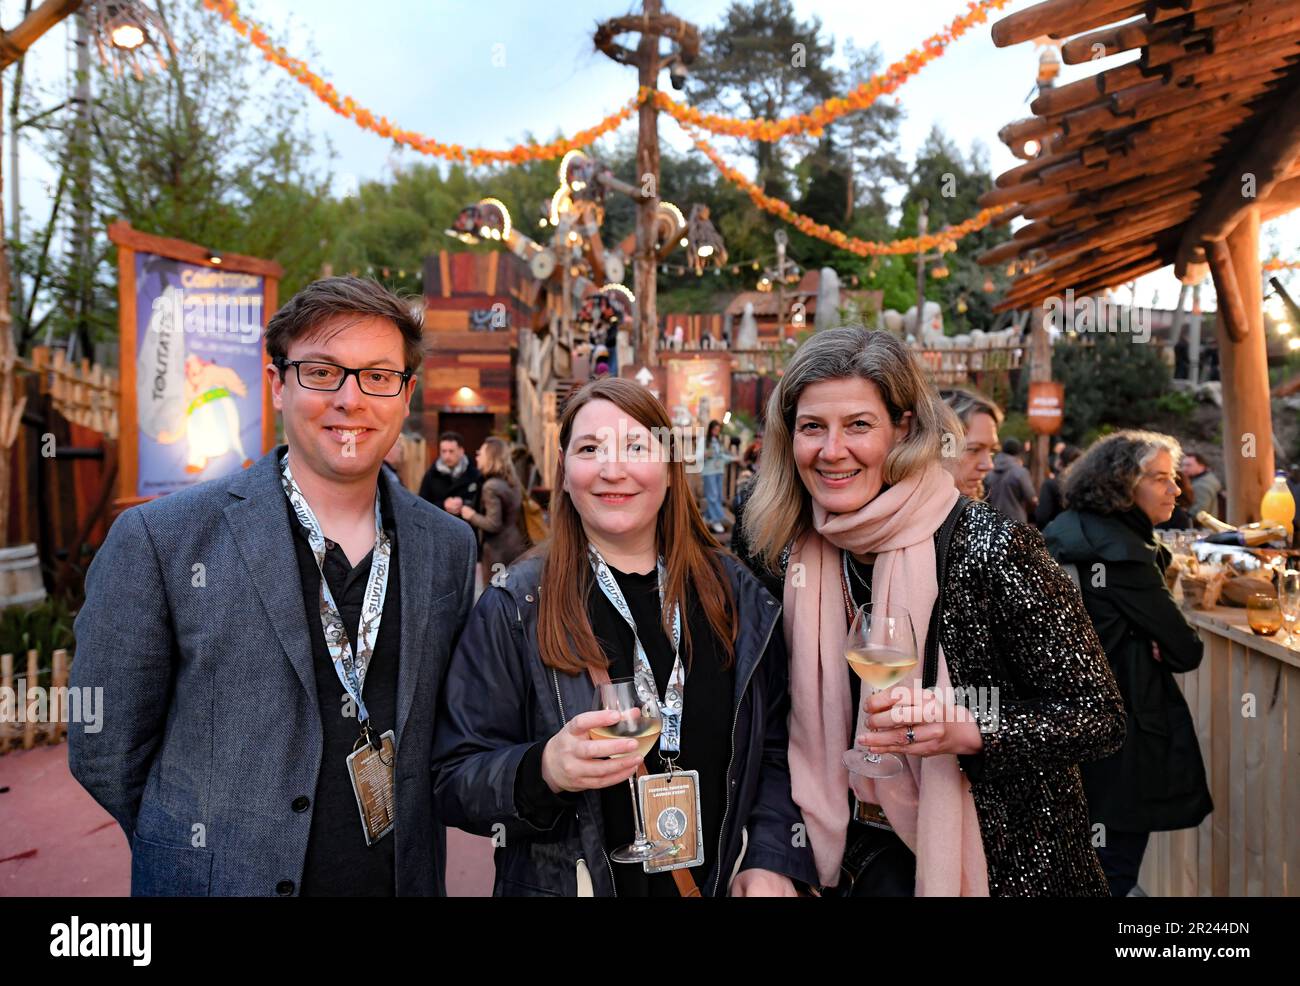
(123, 30)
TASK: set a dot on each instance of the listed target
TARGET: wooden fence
(18, 730)
(1245, 702)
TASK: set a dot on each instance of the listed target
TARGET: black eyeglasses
(372, 380)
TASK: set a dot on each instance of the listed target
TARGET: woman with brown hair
(502, 498)
(854, 511)
(631, 586)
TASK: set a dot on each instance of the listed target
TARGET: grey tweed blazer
(211, 727)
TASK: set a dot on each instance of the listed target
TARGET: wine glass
(1288, 598)
(1264, 613)
(881, 650)
(638, 721)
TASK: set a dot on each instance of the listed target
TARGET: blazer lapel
(415, 576)
(259, 522)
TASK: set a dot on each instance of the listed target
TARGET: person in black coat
(630, 584)
(1123, 485)
(1050, 500)
(453, 481)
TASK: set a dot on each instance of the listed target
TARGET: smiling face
(842, 435)
(976, 460)
(1157, 488)
(616, 474)
(342, 435)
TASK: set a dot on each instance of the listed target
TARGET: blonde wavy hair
(780, 509)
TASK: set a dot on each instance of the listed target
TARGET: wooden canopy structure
(1173, 158)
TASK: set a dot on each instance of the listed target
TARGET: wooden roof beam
(1210, 101)
(1061, 18)
(1232, 309)
(1284, 198)
(1267, 160)
(1118, 38)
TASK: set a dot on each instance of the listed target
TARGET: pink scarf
(929, 805)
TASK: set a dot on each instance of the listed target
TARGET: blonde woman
(503, 497)
(850, 508)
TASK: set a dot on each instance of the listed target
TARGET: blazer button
(301, 803)
(284, 888)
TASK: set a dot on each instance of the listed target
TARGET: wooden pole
(14, 44)
(7, 730)
(647, 166)
(922, 227)
(29, 727)
(1194, 338)
(58, 679)
(1243, 370)
(1040, 371)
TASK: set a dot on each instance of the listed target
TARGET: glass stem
(867, 755)
(636, 813)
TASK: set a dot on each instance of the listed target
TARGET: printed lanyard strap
(670, 739)
(350, 667)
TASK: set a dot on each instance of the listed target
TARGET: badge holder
(670, 809)
(371, 768)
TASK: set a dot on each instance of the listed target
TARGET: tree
(764, 61)
(951, 184)
(211, 149)
(1109, 382)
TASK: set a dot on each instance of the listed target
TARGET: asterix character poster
(198, 372)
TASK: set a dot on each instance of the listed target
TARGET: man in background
(453, 481)
(1010, 489)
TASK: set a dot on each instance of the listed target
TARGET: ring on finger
(911, 736)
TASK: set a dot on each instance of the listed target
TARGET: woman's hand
(937, 727)
(762, 883)
(467, 512)
(571, 761)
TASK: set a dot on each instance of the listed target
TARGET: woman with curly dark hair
(1124, 484)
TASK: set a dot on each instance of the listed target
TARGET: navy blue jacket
(499, 699)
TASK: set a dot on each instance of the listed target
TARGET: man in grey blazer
(271, 644)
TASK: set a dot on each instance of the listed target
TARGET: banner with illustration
(199, 359)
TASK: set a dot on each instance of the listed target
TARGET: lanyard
(350, 667)
(670, 709)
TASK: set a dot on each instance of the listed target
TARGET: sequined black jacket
(1013, 620)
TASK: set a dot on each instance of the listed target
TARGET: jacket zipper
(722, 831)
(555, 678)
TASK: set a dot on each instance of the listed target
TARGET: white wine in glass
(638, 721)
(881, 650)
(644, 731)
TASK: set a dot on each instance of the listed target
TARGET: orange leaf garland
(347, 107)
(943, 240)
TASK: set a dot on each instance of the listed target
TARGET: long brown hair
(499, 465)
(692, 557)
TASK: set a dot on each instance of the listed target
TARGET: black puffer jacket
(499, 699)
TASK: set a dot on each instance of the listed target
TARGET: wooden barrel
(20, 576)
